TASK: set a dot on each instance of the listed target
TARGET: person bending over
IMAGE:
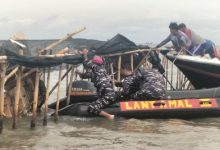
(199, 45)
(145, 84)
(178, 38)
(102, 82)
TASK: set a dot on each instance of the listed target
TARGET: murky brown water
(99, 133)
(72, 133)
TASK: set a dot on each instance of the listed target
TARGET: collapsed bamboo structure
(170, 75)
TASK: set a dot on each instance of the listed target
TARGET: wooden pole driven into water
(167, 73)
(17, 94)
(36, 91)
(70, 85)
(119, 68)
(67, 78)
(112, 74)
(47, 93)
(47, 97)
(132, 62)
(17, 97)
(2, 96)
(58, 94)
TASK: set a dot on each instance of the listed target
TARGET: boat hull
(178, 104)
(199, 73)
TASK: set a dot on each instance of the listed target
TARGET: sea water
(74, 133)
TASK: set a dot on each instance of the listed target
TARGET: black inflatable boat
(178, 104)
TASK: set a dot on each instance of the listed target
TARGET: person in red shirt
(199, 45)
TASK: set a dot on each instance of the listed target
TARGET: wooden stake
(166, 73)
(171, 75)
(70, 85)
(132, 62)
(67, 79)
(58, 94)
(47, 97)
(36, 90)
(17, 97)
(112, 74)
(2, 97)
(17, 94)
(119, 68)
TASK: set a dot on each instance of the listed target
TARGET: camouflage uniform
(149, 84)
(102, 82)
(130, 86)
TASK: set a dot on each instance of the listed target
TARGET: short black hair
(173, 25)
(182, 25)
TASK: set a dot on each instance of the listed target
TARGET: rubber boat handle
(159, 104)
(205, 102)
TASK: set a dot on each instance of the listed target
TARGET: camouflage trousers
(149, 92)
(107, 98)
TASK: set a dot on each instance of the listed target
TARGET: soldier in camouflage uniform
(102, 82)
(144, 84)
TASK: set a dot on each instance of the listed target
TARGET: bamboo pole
(17, 94)
(47, 97)
(2, 98)
(11, 74)
(177, 79)
(54, 87)
(36, 90)
(171, 75)
(119, 68)
(28, 73)
(49, 47)
(17, 98)
(70, 85)
(112, 74)
(132, 51)
(141, 62)
(58, 94)
(132, 62)
(167, 73)
(67, 79)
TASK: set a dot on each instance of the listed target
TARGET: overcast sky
(139, 20)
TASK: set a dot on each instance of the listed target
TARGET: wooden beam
(49, 47)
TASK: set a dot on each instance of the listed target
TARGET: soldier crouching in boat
(145, 84)
(102, 82)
